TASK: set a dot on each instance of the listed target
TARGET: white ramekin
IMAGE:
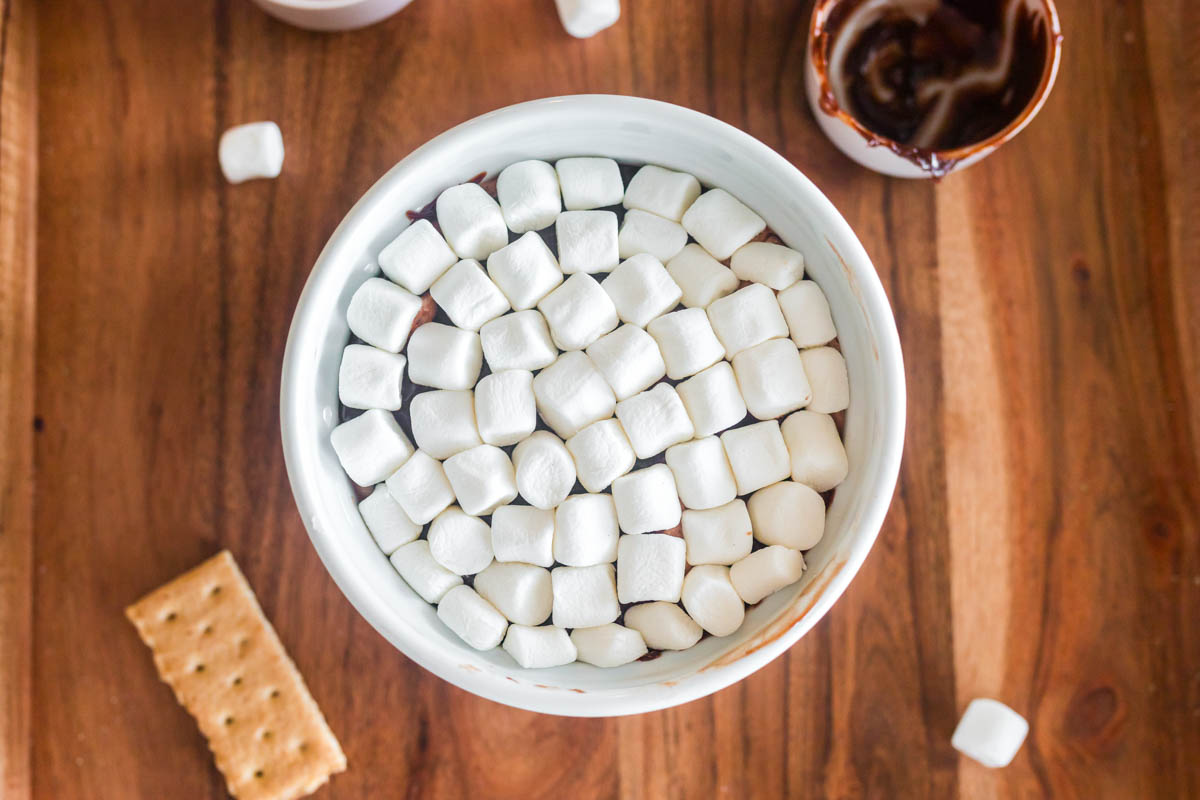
(331, 15)
(635, 130)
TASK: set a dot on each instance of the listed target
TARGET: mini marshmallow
(721, 535)
(711, 600)
(253, 150)
(712, 399)
(521, 592)
(629, 360)
(471, 221)
(772, 378)
(662, 192)
(421, 488)
(589, 183)
(787, 513)
(584, 596)
(390, 527)
(443, 422)
(370, 446)
(990, 732)
(585, 530)
(539, 647)
(721, 223)
(382, 314)
(702, 473)
(482, 478)
(646, 500)
(643, 232)
(422, 572)
(654, 420)
(371, 378)
(686, 340)
(650, 567)
(826, 371)
(817, 454)
(504, 407)
(460, 542)
(517, 341)
(701, 278)
(747, 317)
(663, 626)
(608, 645)
(579, 312)
(468, 296)
(417, 257)
(525, 271)
(585, 18)
(528, 195)
(571, 394)
(757, 455)
(766, 571)
(770, 264)
(475, 620)
(523, 533)
(545, 470)
(641, 289)
(444, 357)
(602, 454)
(587, 241)
(807, 313)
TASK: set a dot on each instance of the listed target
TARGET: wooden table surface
(1043, 545)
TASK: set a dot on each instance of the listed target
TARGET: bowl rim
(651, 696)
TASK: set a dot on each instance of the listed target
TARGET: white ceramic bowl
(634, 130)
(331, 15)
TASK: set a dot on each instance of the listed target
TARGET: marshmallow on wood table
(579, 312)
(444, 357)
(643, 232)
(584, 596)
(475, 620)
(807, 313)
(421, 488)
(747, 317)
(721, 223)
(700, 277)
(602, 454)
(702, 473)
(528, 195)
(787, 513)
(422, 572)
(460, 542)
(521, 592)
(818, 456)
(772, 378)
(587, 241)
(586, 18)
(525, 271)
(721, 535)
(712, 399)
(504, 407)
(390, 527)
(518, 341)
(663, 626)
(687, 342)
(641, 289)
(482, 477)
(382, 314)
(253, 150)
(647, 500)
(370, 446)
(545, 470)
(771, 264)
(589, 183)
(523, 533)
(443, 422)
(654, 420)
(757, 455)
(661, 191)
(710, 598)
(766, 571)
(585, 530)
(471, 221)
(468, 295)
(539, 647)
(572, 394)
(371, 378)
(650, 566)
(608, 645)
(990, 732)
(826, 371)
(417, 257)
(629, 360)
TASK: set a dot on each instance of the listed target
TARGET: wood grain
(1043, 546)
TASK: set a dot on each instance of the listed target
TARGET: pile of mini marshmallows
(686, 407)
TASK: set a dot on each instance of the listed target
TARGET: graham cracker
(216, 650)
